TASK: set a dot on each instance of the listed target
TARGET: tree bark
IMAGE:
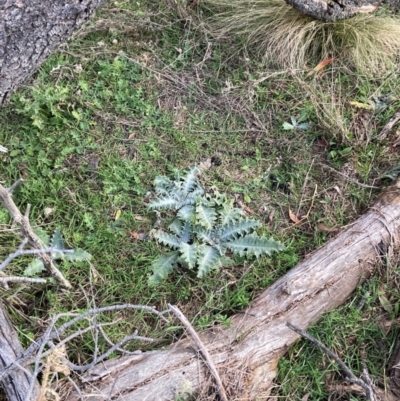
(334, 10)
(16, 384)
(30, 30)
(246, 354)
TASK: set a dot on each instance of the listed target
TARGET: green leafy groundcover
(205, 228)
(59, 252)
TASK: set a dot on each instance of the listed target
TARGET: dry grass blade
(329, 106)
(367, 42)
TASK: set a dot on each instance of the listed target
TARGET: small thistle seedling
(205, 228)
(295, 125)
(57, 243)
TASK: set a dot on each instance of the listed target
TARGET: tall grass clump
(367, 42)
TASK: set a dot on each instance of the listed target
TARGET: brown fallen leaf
(294, 218)
(248, 210)
(320, 66)
(271, 216)
(136, 235)
(323, 227)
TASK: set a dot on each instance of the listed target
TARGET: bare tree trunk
(30, 30)
(246, 354)
(336, 9)
(16, 384)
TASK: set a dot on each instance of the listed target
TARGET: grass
(140, 92)
(367, 42)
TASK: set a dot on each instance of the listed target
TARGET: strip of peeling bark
(332, 10)
(247, 354)
(30, 30)
(16, 385)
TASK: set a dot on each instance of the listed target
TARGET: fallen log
(20, 383)
(246, 355)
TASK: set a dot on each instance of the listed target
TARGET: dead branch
(17, 279)
(386, 129)
(28, 233)
(17, 385)
(203, 350)
(51, 342)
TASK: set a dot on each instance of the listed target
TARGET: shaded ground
(139, 93)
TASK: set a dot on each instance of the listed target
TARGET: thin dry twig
(35, 352)
(304, 187)
(389, 125)
(21, 252)
(17, 279)
(221, 390)
(348, 178)
(365, 382)
(28, 233)
(45, 347)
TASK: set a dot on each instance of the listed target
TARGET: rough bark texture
(30, 30)
(17, 384)
(334, 10)
(246, 355)
(394, 370)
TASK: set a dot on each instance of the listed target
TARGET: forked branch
(28, 233)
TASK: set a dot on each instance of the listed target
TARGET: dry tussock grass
(368, 42)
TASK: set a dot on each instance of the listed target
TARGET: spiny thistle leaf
(162, 266)
(165, 202)
(254, 245)
(77, 255)
(35, 267)
(189, 180)
(208, 259)
(186, 233)
(237, 228)
(204, 235)
(197, 193)
(206, 215)
(230, 215)
(189, 254)
(222, 200)
(168, 239)
(43, 236)
(163, 185)
(186, 212)
(183, 230)
(221, 248)
(176, 227)
(57, 242)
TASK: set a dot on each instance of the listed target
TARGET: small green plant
(59, 252)
(205, 229)
(296, 124)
